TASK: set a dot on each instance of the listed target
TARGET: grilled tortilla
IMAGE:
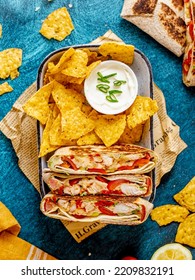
(163, 20)
(121, 185)
(105, 209)
(114, 160)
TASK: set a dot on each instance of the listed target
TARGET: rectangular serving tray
(143, 71)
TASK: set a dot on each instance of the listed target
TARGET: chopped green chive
(103, 88)
(115, 91)
(111, 98)
(118, 83)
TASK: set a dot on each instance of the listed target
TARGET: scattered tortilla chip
(92, 66)
(121, 52)
(5, 87)
(109, 128)
(140, 111)
(186, 231)
(75, 124)
(90, 138)
(38, 105)
(57, 25)
(46, 147)
(186, 197)
(10, 61)
(131, 136)
(66, 99)
(86, 108)
(76, 66)
(166, 214)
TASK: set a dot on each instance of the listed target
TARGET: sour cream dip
(111, 87)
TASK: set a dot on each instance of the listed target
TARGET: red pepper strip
(106, 211)
(115, 183)
(143, 213)
(186, 1)
(141, 162)
(70, 162)
(185, 66)
(126, 167)
(60, 190)
(99, 170)
(78, 216)
(74, 181)
(147, 156)
(104, 203)
(78, 203)
(101, 179)
(191, 30)
(149, 183)
(48, 205)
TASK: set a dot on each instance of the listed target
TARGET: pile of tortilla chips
(184, 214)
(61, 107)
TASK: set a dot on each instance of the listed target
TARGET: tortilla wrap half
(163, 20)
(114, 160)
(120, 185)
(104, 209)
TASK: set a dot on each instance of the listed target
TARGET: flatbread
(164, 21)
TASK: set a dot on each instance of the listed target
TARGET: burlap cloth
(22, 131)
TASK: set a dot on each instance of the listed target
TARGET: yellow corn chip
(46, 146)
(186, 197)
(131, 136)
(90, 138)
(86, 108)
(5, 87)
(92, 66)
(53, 69)
(121, 52)
(66, 99)
(140, 111)
(10, 60)
(57, 25)
(76, 66)
(0, 30)
(186, 231)
(38, 105)
(75, 124)
(110, 128)
(55, 134)
(168, 213)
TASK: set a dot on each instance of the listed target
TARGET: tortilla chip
(186, 197)
(140, 111)
(38, 105)
(57, 25)
(121, 52)
(90, 138)
(66, 99)
(109, 128)
(185, 232)
(10, 60)
(131, 136)
(46, 147)
(53, 69)
(169, 213)
(5, 87)
(75, 123)
(56, 136)
(76, 66)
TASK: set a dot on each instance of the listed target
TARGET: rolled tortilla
(121, 185)
(114, 160)
(104, 209)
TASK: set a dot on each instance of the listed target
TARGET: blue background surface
(91, 18)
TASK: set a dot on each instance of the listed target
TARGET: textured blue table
(92, 18)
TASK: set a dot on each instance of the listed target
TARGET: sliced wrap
(123, 159)
(105, 209)
(121, 185)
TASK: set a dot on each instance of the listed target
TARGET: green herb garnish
(118, 83)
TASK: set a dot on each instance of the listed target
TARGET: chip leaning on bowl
(61, 107)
